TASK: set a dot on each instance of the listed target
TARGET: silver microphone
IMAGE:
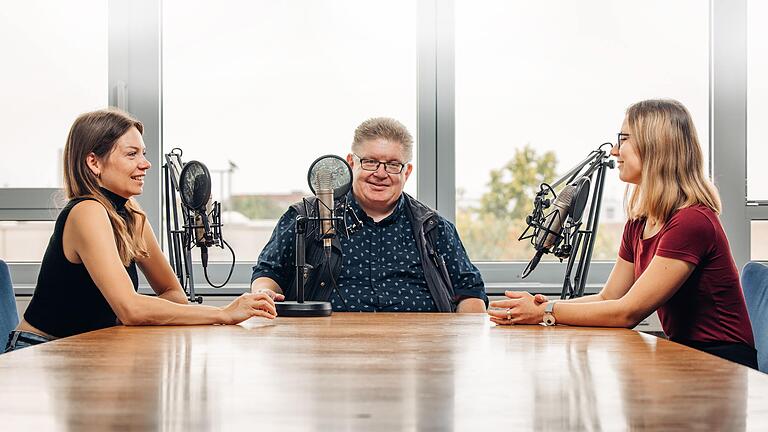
(330, 178)
(548, 232)
(553, 224)
(325, 204)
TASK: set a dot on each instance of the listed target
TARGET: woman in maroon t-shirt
(674, 256)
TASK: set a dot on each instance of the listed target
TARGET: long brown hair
(97, 132)
(672, 162)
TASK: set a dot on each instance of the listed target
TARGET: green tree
(256, 207)
(490, 232)
(513, 186)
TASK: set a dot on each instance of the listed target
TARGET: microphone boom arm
(182, 237)
(584, 240)
(571, 241)
(594, 157)
(589, 235)
(179, 253)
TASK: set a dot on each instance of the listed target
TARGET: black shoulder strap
(299, 208)
(432, 239)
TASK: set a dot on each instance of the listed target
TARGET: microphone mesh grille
(324, 179)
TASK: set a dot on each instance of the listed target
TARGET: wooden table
(367, 372)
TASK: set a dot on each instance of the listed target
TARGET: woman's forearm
(585, 299)
(606, 313)
(146, 310)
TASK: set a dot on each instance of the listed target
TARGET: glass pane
(759, 240)
(54, 67)
(555, 77)
(757, 100)
(259, 90)
(24, 241)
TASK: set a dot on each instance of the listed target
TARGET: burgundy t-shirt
(709, 306)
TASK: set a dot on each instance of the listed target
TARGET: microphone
(203, 234)
(192, 180)
(568, 209)
(326, 207)
(329, 178)
(195, 191)
(548, 236)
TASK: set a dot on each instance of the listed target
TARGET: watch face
(549, 319)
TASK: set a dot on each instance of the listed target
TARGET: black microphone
(202, 220)
(203, 233)
(195, 190)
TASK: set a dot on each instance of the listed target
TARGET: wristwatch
(549, 319)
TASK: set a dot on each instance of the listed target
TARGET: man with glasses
(399, 256)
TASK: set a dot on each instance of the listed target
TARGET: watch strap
(549, 318)
(549, 306)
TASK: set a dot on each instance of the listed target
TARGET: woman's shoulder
(85, 203)
(695, 212)
(695, 218)
(86, 210)
(635, 224)
(633, 230)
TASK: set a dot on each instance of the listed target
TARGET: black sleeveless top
(66, 301)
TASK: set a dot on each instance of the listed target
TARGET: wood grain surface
(355, 371)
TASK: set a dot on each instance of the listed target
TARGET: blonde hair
(672, 163)
(97, 132)
(387, 128)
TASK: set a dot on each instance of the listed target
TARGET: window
(270, 86)
(759, 247)
(258, 90)
(757, 101)
(54, 68)
(52, 71)
(553, 79)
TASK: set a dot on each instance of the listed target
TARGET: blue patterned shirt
(381, 268)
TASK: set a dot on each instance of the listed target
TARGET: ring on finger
(509, 314)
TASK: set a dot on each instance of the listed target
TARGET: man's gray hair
(387, 128)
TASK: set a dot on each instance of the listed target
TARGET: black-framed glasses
(391, 167)
(620, 137)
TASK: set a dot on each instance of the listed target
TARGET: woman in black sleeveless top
(88, 278)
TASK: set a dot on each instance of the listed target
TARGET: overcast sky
(271, 85)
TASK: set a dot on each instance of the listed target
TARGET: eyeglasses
(373, 165)
(620, 137)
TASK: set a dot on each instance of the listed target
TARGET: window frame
(135, 84)
(755, 210)
(28, 204)
(728, 124)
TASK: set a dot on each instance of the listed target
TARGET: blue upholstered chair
(9, 317)
(754, 280)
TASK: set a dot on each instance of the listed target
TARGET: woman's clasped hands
(520, 307)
